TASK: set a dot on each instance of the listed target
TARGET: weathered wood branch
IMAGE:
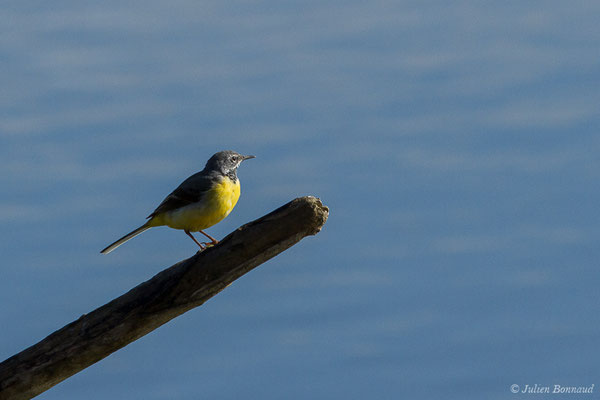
(170, 293)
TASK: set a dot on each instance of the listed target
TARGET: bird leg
(213, 240)
(194, 239)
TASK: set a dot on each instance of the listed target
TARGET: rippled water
(455, 143)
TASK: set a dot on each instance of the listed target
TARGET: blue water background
(456, 144)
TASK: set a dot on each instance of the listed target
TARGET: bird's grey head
(226, 162)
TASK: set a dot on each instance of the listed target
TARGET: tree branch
(170, 293)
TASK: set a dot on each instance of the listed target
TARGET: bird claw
(205, 245)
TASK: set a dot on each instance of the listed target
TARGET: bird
(199, 202)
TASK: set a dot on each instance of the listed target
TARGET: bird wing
(192, 190)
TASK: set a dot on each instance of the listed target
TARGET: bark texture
(177, 289)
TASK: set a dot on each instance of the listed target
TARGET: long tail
(125, 238)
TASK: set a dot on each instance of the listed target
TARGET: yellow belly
(216, 204)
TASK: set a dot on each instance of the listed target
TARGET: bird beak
(248, 157)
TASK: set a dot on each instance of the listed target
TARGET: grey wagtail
(201, 201)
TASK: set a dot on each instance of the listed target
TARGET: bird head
(226, 161)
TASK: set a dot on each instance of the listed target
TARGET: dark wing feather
(190, 191)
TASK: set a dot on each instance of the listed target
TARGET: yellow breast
(216, 204)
